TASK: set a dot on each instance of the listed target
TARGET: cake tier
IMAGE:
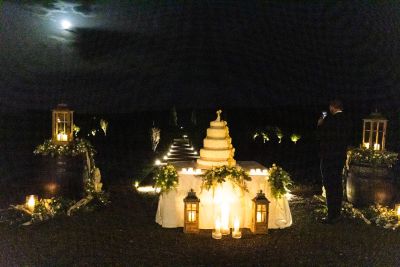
(215, 154)
(209, 164)
(218, 123)
(217, 143)
(216, 132)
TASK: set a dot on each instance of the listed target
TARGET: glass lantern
(191, 213)
(374, 131)
(62, 124)
(260, 213)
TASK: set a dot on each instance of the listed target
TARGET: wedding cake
(218, 149)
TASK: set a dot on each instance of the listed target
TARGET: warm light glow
(185, 136)
(366, 145)
(398, 210)
(225, 213)
(259, 216)
(136, 184)
(191, 171)
(216, 234)
(62, 137)
(31, 202)
(65, 24)
(148, 189)
(236, 229)
(192, 216)
(377, 146)
(165, 157)
(255, 172)
(157, 162)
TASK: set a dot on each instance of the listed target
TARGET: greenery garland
(218, 175)
(279, 181)
(364, 156)
(166, 178)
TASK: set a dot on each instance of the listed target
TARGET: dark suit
(334, 139)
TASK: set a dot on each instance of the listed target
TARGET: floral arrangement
(166, 178)
(364, 156)
(218, 175)
(279, 181)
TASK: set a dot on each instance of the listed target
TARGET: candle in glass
(192, 216)
(216, 234)
(377, 146)
(236, 230)
(366, 145)
(31, 202)
(225, 219)
(259, 216)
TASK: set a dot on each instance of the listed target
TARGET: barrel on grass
(367, 185)
(60, 176)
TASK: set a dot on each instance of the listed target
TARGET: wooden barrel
(60, 176)
(367, 185)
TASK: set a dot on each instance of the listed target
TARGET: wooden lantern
(374, 131)
(259, 223)
(62, 125)
(191, 213)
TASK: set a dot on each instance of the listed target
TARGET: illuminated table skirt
(232, 200)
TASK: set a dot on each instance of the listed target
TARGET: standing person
(333, 130)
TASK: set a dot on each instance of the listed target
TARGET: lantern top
(261, 197)
(62, 107)
(376, 116)
(191, 197)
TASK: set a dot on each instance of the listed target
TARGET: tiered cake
(218, 149)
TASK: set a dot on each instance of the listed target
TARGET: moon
(66, 24)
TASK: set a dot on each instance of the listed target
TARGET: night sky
(122, 56)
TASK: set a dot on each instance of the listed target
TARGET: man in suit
(333, 133)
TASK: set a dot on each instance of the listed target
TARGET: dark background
(265, 63)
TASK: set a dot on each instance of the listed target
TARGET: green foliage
(166, 178)
(74, 148)
(364, 156)
(218, 175)
(279, 181)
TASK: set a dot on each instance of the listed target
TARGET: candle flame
(31, 202)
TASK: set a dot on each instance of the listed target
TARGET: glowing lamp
(397, 209)
(374, 131)
(157, 162)
(191, 213)
(31, 202)
(260, 212)
(62, 125)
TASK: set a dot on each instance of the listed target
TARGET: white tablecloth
(170, 205)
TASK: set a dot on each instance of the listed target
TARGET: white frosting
(215, 154)
(216, 133)
(218, 123)
(207, 163)
(216, 143)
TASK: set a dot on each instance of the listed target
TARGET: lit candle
(398, 210)
(65, 137)
(259, 216)
(366, 145)
(192, 216)
(377, 146)
(236, 232)
(216, 234)
(31, 202)
(190, 170)
(225, 219)
(258, 171)
(252, 171)
(184, 170)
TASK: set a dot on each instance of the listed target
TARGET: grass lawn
(125, 234)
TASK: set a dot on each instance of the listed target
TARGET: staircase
(180, 150)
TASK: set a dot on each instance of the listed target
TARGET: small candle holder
(236, 230)
(216, 234)
(226, 231)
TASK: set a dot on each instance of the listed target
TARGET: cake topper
(218, 115)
